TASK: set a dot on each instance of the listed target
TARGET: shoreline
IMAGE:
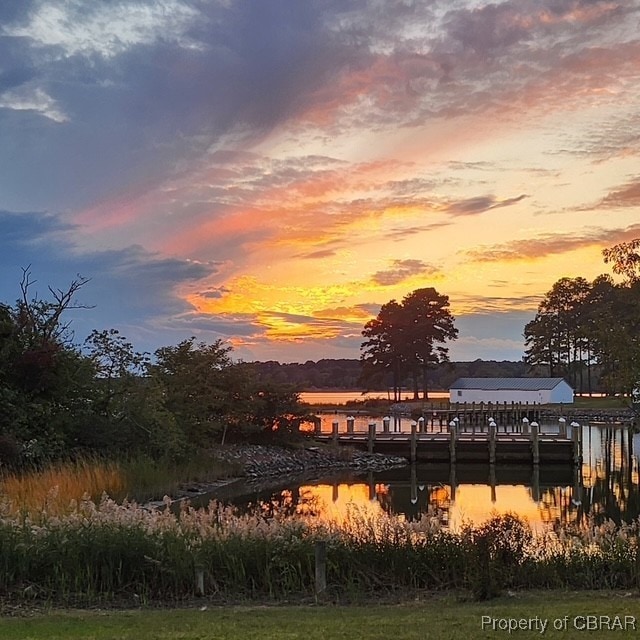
(271, 465)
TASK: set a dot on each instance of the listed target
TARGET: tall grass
(101, 551)
(54, 488)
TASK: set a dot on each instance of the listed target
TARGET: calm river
(607, 484)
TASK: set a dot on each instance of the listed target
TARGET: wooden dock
(514, 445)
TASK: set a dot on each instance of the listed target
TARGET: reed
(105, 551)
(54, 488)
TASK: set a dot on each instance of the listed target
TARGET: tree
(117, 368)
(625, 258)
(382, 351)
(408, 338)
(557, 335)
(197, 390)
(44, 380)
(430, 325)
(212, 397)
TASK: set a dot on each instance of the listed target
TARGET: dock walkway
(516, 444)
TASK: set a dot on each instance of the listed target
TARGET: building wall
(561, 393)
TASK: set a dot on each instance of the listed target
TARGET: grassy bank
(113, 552)
(444, 618)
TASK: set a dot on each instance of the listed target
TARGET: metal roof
(511, 384)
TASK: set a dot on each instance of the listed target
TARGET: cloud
(363, 312)
(552, 243)
(214, 293)
(480, 204)
(156, 86)
(185, 145)
(35, 100)
(318, 255)
(626, 196)
(402, 270)
(421, 63)
(407, 232)
(106, 29)
(129, 285)
(495, 317)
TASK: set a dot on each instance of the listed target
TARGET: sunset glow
(271, 173)
(471, 504)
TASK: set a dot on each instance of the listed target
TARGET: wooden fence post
(321, 567)
(199, 575)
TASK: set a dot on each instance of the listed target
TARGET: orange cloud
(551, 244)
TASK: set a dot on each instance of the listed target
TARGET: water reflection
(606, 485)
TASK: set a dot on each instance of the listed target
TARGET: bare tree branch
(41, 320)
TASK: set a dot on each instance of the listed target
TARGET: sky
(270, 172)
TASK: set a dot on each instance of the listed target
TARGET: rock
(263, 460)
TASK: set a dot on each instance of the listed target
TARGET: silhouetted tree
(408, 338)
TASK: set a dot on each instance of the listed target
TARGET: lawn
(587, 615)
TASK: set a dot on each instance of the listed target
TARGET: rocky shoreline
(269, 460)
(267, 465)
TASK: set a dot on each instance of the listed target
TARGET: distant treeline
(347, 374)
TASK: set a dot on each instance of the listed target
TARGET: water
(342, 397)
(607, 485)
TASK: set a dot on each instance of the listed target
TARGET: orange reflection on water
(332, 503)
(474, 504)
(469, 504)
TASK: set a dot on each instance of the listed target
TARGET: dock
(522, 443)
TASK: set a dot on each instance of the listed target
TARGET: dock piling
(535, 442)
(492, 443)
(372, 436)
(351, 421)
(562, 427)
(414, 442)
(453, 433)
(575, 435)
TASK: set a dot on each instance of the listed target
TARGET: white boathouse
(532, 390)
